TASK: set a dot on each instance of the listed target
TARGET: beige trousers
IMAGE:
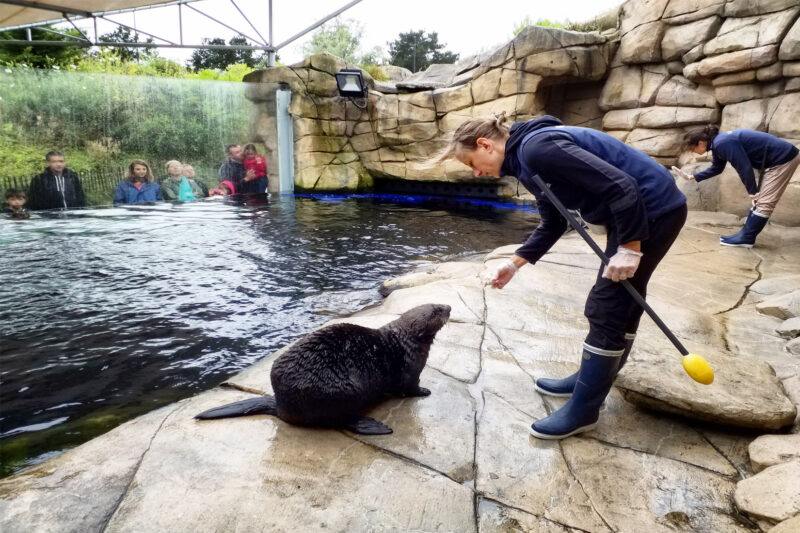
(773, 183)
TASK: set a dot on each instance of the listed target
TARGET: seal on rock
(332, 375)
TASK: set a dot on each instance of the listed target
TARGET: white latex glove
(622, 264)
(682, 174)
(501, 275)
(754, 199)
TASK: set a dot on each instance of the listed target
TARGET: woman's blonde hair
(466, 136)
(132, 177)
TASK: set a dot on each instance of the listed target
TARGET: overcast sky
(464, 26)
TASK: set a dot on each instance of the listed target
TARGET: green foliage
(221, 59)
(376, 72)
(101, 120)
(416, 51)
(584, 27)
(123, 35)
(524, 23)
(111, 64)
(340, 38)
(551, 24)
(43, 56)
(566, 25)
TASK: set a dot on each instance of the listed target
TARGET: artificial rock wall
(659, 68)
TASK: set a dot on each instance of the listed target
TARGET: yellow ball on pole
(698, 369)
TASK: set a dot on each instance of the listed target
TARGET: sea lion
(332, 375)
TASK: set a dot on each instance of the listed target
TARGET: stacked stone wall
(667, 66)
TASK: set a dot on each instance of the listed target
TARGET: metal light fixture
(350, 83)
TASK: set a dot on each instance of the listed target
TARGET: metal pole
(81, 42)
(317, 24)
(180, 22)
(28, 33)
(604, 258)
(271, 53)
(271, 36)
(134, 29)
(234, 30)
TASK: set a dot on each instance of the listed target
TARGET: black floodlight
(351, 83)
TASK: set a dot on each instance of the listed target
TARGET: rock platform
(666, 456)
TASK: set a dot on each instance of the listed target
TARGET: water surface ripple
(108, 313)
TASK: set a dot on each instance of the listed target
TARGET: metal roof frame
(71, 14)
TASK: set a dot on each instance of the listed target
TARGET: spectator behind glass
(138, 186)
(233, 170)
(256, 162)
(188, 171)
(15, 198)
(57, 187)
(225, 188)
(177, 186)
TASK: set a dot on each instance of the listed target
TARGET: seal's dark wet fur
(332, 375)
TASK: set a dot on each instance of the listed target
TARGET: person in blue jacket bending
(138, 186)
(747, 150)
(611, 184)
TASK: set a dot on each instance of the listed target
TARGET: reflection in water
(109, 313)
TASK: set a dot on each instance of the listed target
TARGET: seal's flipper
(364, 425)
(265, 405)
(421, 391)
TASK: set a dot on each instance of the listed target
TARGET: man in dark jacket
(57, 187)
(233, 169)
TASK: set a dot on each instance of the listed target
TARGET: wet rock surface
(462, 459)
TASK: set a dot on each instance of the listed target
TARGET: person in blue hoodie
(747, 150)
(610, 184)
(138, 186)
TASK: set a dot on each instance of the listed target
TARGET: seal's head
(424, 321)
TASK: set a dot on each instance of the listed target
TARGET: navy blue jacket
(615, 185)
(48, 191)
(126, 193)
(235, 172)
(747, 150)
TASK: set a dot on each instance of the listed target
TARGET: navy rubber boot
(581, 412)
(562, 388)
(746, 237)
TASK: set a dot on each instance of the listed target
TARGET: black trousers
(611, 311)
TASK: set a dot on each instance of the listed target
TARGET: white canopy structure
(28, 14)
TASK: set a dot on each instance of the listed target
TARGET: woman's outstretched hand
(622, 265)
(501, 275)
(682, 174)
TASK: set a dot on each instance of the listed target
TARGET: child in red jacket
(256, 163)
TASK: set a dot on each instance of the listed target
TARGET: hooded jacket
(127, 193)
(625, 188)
(233, 171)
(48, 191)
(746, 150)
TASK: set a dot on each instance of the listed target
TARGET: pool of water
(109, 313)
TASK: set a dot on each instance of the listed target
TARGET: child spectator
(255, 162)
(179, 187)
(224, 189)
(138, 186)
(15, 198)
(57, 187)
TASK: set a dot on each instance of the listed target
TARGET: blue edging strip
(405, 199)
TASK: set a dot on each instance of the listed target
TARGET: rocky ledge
(667, 455)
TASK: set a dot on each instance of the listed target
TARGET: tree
(41, 56)
(417, 51)
(340, 38)
(221, 59)
(123, 35)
